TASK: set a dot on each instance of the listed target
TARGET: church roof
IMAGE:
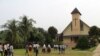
(84, 23)
(75, 11)
(81, 25)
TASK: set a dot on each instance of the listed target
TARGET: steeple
(75, 21)
(75, 11)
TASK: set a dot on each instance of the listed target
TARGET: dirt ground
(96, 52)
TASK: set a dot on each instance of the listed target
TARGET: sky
(48, 13)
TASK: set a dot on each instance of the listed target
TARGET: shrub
(82, 43)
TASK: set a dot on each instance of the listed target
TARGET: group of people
(30, 48)
(34, 48)
(60, 47)
(46, 48)
(6, 49)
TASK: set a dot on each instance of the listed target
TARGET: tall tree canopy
(20, 32)
(94, 30)
(94, 35)
(52, 31)
(25, 27)
(12, 33)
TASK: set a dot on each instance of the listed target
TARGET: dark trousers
(37, 52)
(48, 50)
(43, 50)
(11, 53)
(5, 53)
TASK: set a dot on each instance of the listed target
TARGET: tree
(94, 35)
(12, 34)
(3, 36)
(93, 31)
(37, 36)
(25, 27)
(53, 32)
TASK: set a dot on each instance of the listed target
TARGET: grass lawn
(68, 52)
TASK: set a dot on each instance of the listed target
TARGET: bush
(82, 43)
(92, 42)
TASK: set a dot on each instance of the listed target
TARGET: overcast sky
(50, 12)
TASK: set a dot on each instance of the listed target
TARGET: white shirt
(37, 45)
(11, 48)
(5, 47)
(44, 46)
(49, 46)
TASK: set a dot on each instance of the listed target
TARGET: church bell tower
(76, 21)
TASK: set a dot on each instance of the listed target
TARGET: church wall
(85, 30)
(67, 41)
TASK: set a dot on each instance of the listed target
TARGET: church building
(75, 29)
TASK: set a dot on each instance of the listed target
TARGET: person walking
(5, 49)
(11, 48)
(44, 48)
(30, 50)
(37, 51)
(8, 49)
(49, 48)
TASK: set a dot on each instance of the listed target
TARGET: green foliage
(94, 36)
(94, 31)
(52, 31)
(20, 32)
(82, 43)
(92, 42)
(48, 40)
(25, 27)
(2, 36)
(39, 38)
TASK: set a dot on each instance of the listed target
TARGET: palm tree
(25, 27)
(12, 32)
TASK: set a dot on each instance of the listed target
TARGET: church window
(81, 26)
(71, 26)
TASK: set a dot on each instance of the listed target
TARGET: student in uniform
(30, 50)
(11, 49)
(44, 48)
(5, 49)
(49, 48)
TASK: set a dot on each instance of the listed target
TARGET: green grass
(19, 52)
(92, 49)
(68, 52)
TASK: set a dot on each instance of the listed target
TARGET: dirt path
(96, 52)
